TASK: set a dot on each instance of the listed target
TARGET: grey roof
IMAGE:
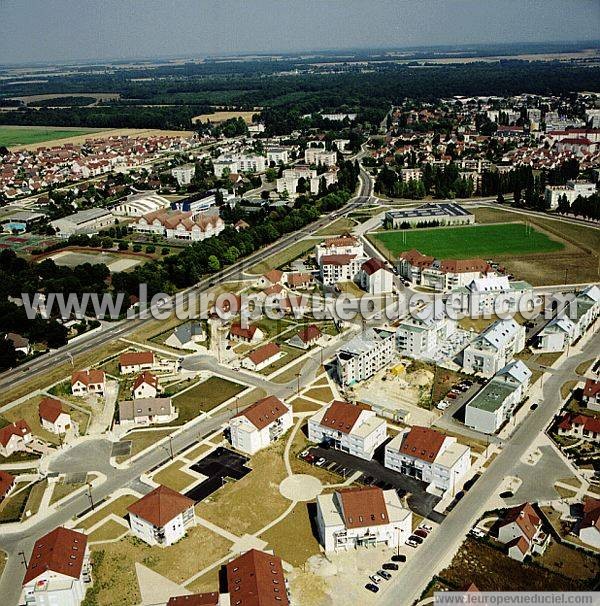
(83, 216)
(187, 331)
(129, 410)
(433, 210)
(516, 369)
(365, 341)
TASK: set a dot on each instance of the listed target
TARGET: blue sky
(70, 30)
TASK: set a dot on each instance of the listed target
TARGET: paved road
(432, 556)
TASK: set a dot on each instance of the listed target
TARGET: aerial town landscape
(290, 326)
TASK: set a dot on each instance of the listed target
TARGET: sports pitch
(468, 242)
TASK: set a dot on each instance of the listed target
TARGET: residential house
(495, 403)
(162, 517)
(14, 437)
(136, 361)
(58, 570)
(305, 337)
(7, 483)
(494, 348)
(580, 426)
(146, 411)
(271, 278)
(262, 356)
(298, 280)
(84, 382)
(556, 335)
(186, 336)
(375, 278)
(19, 342)
(351, 428)
(591, 394)
(52, 416)
(364, 355)
(245, 334)
(259, 425)
(256, 578)
(588, 528)
(520, 529)
(362, 517)
(431, 457)
(145, 386)
(420, 336)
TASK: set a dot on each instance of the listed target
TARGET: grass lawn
(204, 397)
(114, 569)
(342, 225)
(303, 405)
(206, 583)
(290, 374)
(35, 497)
(2, 561)
(62, 489)
(13, 506)
(140, 440)
(565, 493)
(196, 453)
(584, 367)
(291, 353)
(118, 506)
(251, 503)
(173, 477)
(18, 135)
(566, 388)
(108, 531)
(293, 538)
(467, 242)
(20, 456)
(492, 570)
(351, 289)
(280, 259)
(320, 393)
(570, 562)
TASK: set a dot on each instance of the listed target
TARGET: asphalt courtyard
(375, 474)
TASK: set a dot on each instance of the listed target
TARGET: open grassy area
(340, 226)
(206, 583)
(62, 488)
(13, 506)
(140, 440)
(292, 252)
(19, 135)
(249, 504)
(108, 531)
(323, 393)
(304, 405)
(204, 397)
(468, 241)
(118, 506)
(173, 477)
(293, 538)
(584, 367)
(35, 497)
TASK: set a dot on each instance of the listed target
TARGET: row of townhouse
(181, 225)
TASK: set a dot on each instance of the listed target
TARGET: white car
(426, 527)
(477, 532)
(411, 543)
(320, 462)
(443, 404)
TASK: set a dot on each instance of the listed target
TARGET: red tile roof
(256, 579)
(296, 279)
(336, 259)
(462, 266)
(363, 507)
(525, 517)
(416, 259)
(339, 241)
(196, 599)
(50, 409)
(258, 356)
(146, 377)
(372, 265)
(274, 276)
(423, 443)
(61, 551)
(263, 412)
(521, 542)
(6, 482)
(591, 388)
(88, 377)
(242, 332)
(309, 333)
(160, 506)
(342, 416)
(591, 424)
(136, 358)
(591, 513)
(18, 428)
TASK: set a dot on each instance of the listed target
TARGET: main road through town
(436, 552)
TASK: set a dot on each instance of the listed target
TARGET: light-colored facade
(493, 294)
(241, 163)
(340, 245)
(340, 268)
(375, 278)
(351, 428)
(520, 529)
(14, 437)
(447, 213)
(362, 517)
(146, 411)
(495, 403)
(184, 174)
(364, 355)
(88, 221)
(420, 338)
(260, 425)
(494, 348)
(320, 156)
(570, 191)
(431, 457)
(290, 179)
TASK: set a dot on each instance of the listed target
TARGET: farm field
(28, 135)
(466, 242)
(225, 115)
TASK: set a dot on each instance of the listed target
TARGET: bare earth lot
(223, 115)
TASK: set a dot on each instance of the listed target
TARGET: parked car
(426, 527)
(443, 405)
(416, 538)
(320, 462)
(507, 494)
(304, 454)
(419, 532)
(376, 579)
(389, 566)
(452, 395)
(533, 406)
(477, 532)
(310, 458)
(411, 543)
(372, 587)
(399, 558)
(386, 575)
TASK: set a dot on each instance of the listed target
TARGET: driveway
(375, 474)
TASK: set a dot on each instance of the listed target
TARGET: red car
(421, 533)
(452, 395)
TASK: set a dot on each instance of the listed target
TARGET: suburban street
(434, 555)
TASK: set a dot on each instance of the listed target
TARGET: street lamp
(298, 385)
(91, 498)
(23, 559)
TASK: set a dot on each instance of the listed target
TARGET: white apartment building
(340, 268)
(180, 225)
(571, 190)
(362, 517)
(161, 517)
(320, 156)
(492, 294)
(260, 425)
(351, 428)
(556, 335)
(375, 278)
(420, 338)
(495, 403)
(58, 570)
(278, 155)
(184, 174)
(364, 355)
(429, 456)
(411, 174)
(340, 245)
(290, 179)
(241, 163)
(494, 348)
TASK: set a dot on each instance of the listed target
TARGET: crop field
(466, 242)
(29, 135)
(221, 116)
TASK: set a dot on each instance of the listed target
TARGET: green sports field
(466, 242)
(25, 135)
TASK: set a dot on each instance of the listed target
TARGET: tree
(8, 356)
(123, 245)
(213, 263)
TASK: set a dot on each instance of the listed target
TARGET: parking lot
(375, 474)
(219, 464)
